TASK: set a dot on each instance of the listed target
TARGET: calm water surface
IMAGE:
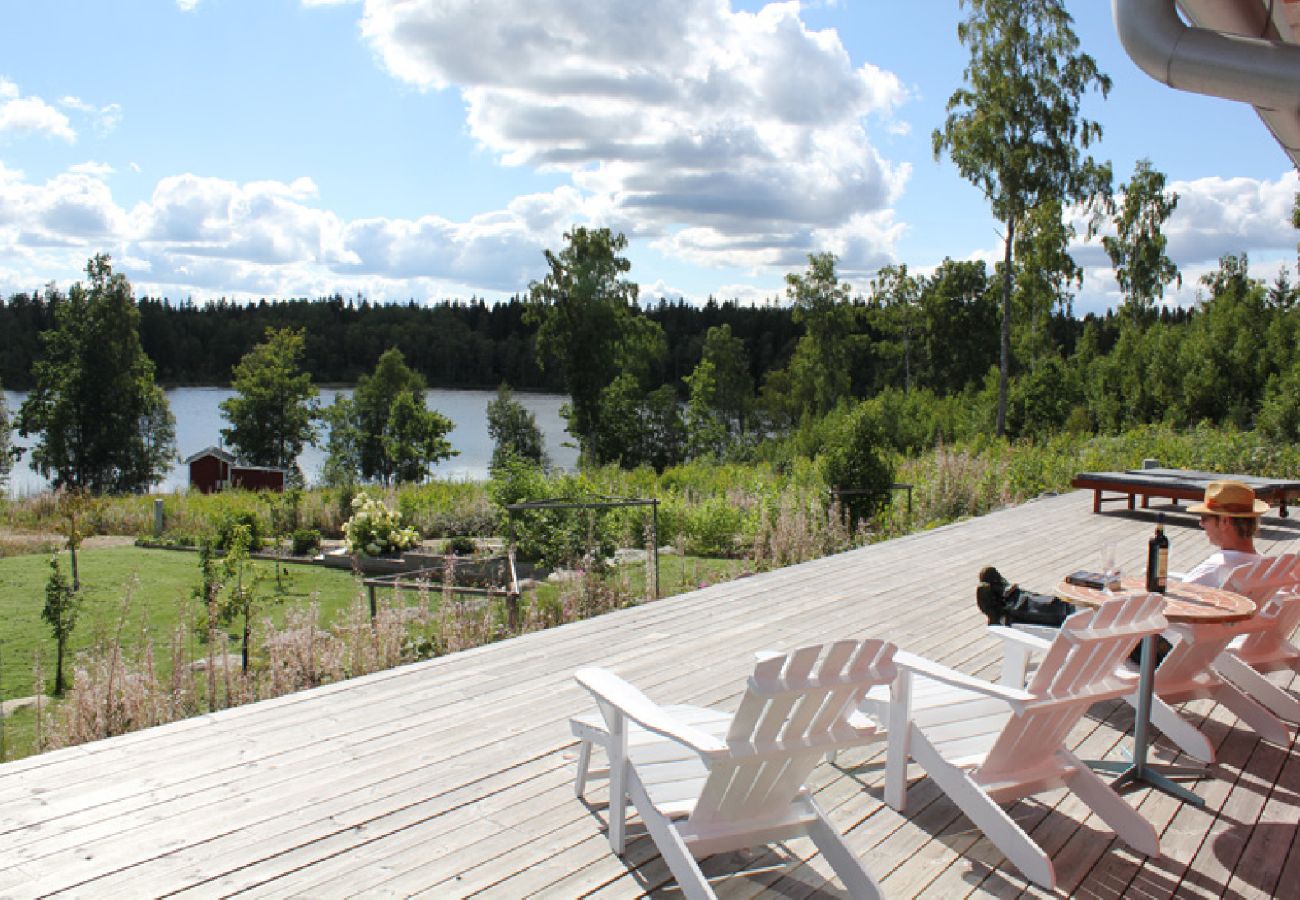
(199, 423)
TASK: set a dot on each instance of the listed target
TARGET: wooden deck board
(454, 776)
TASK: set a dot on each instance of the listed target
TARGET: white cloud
(187, 5)
(215, 237)
(31, 115)
(105, 118)
(734, 138)
(94, 169)
(1216, 216)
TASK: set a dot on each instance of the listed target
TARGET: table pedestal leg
(1139, 771)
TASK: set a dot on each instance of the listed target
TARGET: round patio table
(1194, 604)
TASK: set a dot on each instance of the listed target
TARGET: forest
(452, 343)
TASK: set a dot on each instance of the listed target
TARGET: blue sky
(430, 149)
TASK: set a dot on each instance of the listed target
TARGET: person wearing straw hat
(1230, 516)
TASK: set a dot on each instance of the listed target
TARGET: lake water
(199, 423)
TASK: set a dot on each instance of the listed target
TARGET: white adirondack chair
(1193, 670)
(1190, 670)
(1274, 584)
(711, 787)
(986, 744)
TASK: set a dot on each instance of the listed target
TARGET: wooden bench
(1177, 484)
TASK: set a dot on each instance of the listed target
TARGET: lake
(199, 423)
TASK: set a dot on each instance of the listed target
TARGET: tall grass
(125, 681)
(762, 515)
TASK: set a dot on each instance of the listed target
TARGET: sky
(432, 149)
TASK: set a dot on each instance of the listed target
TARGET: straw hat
(1230, 498)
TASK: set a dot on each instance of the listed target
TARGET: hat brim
(1201, 509)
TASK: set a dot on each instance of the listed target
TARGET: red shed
(213, 469)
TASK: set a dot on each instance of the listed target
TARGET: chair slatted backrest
(1274, 584)
(1198, 646)
(1082, 667)
(795, 709)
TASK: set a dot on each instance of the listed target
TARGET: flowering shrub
(375, 529)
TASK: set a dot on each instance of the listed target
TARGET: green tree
(1044, 273)
(373, 403)
(1015, 130)
(415, 438)
(102, 421)
(343, 446)
(513, 430)
(1223, 371)
(273, 414)
(639, 427)
(583, 310)
(6, 442)
(897, 311)
(960, 330)
(1137, 250)
(820, 368)
(241, 594)
(721, 395)
(60, 613)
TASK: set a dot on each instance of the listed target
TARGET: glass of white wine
(1110, 567)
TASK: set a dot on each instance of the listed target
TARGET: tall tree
(820, 368)
(1137, 251)
(1015, 130)
(274, 410)
(721, 395)
(960, 325)
(372, 403)
(896, 309)
(1045, 270)
(385, 432)
(103, 422)
(415, 438)
(584, 312)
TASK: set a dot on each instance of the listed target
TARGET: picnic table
(1178, 484)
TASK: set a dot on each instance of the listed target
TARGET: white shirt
(1216, 567)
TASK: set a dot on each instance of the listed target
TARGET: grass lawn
(130, 591)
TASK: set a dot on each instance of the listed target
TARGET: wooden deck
(454, 776)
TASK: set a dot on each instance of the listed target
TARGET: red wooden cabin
(213, 469)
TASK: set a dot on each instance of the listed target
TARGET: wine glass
(1110, 566)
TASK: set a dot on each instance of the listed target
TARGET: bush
(306, 541)
(854, 461)
(230, 521)
(460, 546)
(374, 529)
(714, 527)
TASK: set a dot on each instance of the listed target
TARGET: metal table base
(1138, 770)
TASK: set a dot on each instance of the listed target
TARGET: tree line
(452, 343)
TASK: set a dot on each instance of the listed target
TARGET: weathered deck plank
(454, 776)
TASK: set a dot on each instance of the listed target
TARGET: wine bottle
(1158, 558)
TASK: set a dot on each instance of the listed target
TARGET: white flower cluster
(375, 529)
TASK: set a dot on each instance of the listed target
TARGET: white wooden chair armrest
(1019, 644)
(617, 693)
(1032, 637)
(909, 663)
